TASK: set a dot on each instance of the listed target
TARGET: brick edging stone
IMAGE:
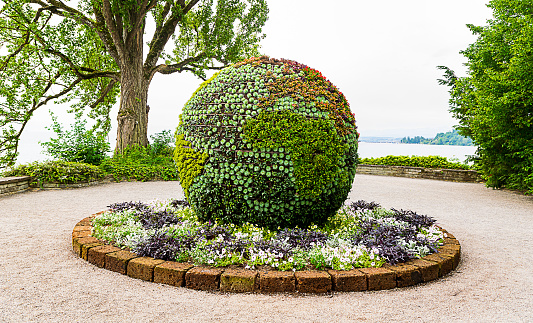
(239, 280)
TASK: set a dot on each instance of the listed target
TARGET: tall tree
(92, 53)
(494, 103)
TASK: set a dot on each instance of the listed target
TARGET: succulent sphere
(266, 141)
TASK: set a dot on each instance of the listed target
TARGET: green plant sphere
(266, 141)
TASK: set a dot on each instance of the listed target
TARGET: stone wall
(10, 185)
(455, 175)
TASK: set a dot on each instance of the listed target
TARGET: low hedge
(415, 161)
(58, 172)
(137, 163)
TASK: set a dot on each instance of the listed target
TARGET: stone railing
(10, 185)
(456, 175)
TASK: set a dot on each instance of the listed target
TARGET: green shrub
(415, 161)
(266, 141)
(162, 143)
(57, 172)
(78, 144)
(138, 163)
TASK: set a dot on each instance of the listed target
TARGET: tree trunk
(133, 113)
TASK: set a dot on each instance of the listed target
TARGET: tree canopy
(93, 53)
(442, 138)
(494, 103)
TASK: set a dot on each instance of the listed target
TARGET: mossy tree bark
(133, 112)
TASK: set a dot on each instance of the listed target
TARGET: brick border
(238, 280)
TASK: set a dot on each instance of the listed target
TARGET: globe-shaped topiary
(267, 141)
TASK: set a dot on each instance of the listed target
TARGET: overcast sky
(381, 54)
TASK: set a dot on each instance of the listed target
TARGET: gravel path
(41, 280)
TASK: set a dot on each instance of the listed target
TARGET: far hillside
(448, 138)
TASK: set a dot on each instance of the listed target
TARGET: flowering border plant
(359, 235)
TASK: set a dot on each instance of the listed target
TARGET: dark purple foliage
(385, 239)
(363, 205)
(153, 220)
(149, 218)
(414, 219)
(163, 246)
(179, 204)
(128, 205)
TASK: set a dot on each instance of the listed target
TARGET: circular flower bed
(266, 141)
(359, 235)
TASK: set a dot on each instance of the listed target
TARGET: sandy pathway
(41, 280)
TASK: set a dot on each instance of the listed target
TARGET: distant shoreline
(405, 143)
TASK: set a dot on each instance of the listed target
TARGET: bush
(138, 163)
(58, 172)
(415, 161)
(162, 143)
(77, 145)
(266, 141)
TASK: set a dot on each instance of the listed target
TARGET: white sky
(381, 54)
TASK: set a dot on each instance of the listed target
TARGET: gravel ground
(41, 280)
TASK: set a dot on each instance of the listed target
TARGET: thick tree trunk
(133, 113)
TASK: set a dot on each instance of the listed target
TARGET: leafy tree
(93, 53)
(494, 103)
(443, 138)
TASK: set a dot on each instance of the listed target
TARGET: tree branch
(191, 4)
(159, 24)
(104, 35)
(162, 35)
(105, 92)
(182, 66)
(76, 70)
(12, 148)
(27, 36)
(73, 13)
(112, 27)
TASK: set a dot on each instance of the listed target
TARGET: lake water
(367, 150)
(31, 151)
